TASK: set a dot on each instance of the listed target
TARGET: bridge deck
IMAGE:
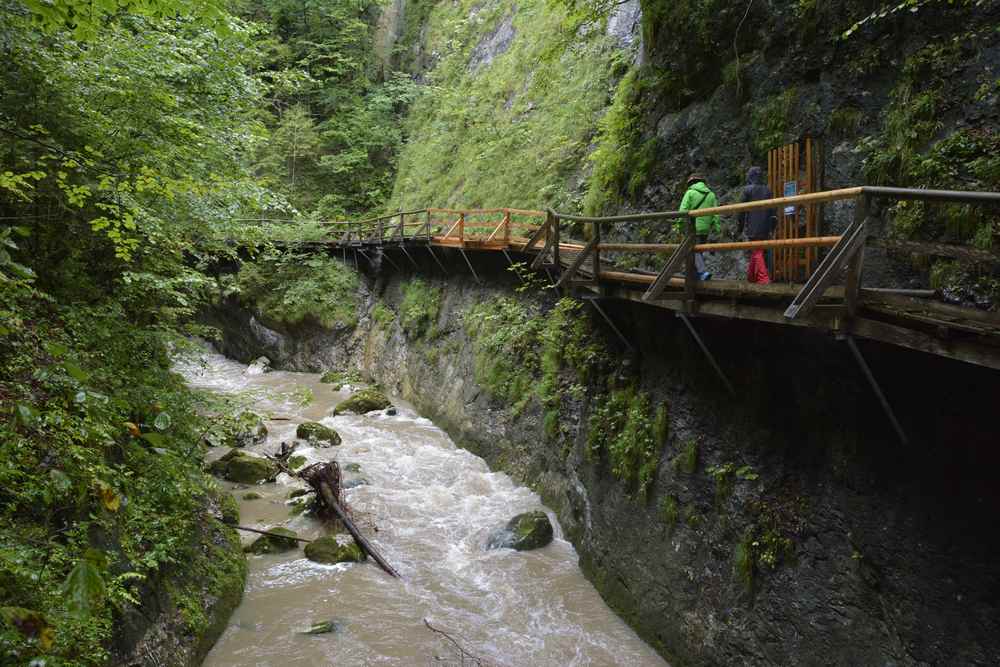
(831, 300)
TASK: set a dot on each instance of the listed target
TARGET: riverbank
(785, 526)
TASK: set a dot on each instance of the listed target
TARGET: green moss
(292, 290)
(687, 460)
(252, 495)
(419, 309)
(238, 466)
(621, 427)
(362, 402)
(296, 462)
(670, 511)
(725, 476)
(337, 379)
(274, 544)
(329, 551)
(691, 517)
(316, 432)
(846, 121)
(383, 316)
(771, 120)
(661, 424)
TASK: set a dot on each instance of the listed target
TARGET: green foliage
(383, 316)
(514, 130)
(100, 469)
(293, 289)
(523, 353)
(334, 115)
(846, 121)
(687, 460)
(620, 426)
(725, 476)
(670, 511)
(623, 157)
(771, 120)
(893, 8)
(418, 312)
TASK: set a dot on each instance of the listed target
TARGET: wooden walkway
(832, 299)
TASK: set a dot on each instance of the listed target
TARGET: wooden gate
(786, 176)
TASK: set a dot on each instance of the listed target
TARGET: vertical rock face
(783, 526)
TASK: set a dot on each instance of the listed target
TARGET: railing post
(555, 245)
(506, 227)
(690, 274)
(596, 234)
(402, 228)
(461, 228)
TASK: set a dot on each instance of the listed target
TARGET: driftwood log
(325, 479)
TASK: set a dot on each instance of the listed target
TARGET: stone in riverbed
(323, 627)
(246, 430)
(363, 402)
(316, 432)
(271, 544)
(354, 483)
(530, 530)
(296, 462)
(253, 495)
(329, 551)
(353, 467)
(238, 466)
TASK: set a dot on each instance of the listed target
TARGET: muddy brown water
(433, 505)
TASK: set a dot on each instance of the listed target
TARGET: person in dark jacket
(757, 225)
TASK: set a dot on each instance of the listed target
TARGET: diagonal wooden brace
(536, 237)
(674, 264)
(829, 270)
(578, 262)
(540, 257)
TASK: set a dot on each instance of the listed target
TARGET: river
(433, 505)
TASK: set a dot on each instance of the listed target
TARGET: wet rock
(253, 495)
(259, 366)
(340, 379)
(238, 466)
(316, 432)
(363, 402)
(354, 483)
(353, 467)
(296, 462)
(530, 530)
(298, 493)
(247, 430)
(324, 627)
(271, 544)
(329, 551)
(392, 412)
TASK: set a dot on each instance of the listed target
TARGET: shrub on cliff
(291, 289)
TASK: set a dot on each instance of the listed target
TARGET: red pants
(757, 269)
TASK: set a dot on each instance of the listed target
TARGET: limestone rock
(238, 466)
(530, 530)
(270, 544)
(316, 432)
(353, 467)
(353, 483)
(364, 401)
(328, 550)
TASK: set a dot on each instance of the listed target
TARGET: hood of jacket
(699, 187)
(755, 176)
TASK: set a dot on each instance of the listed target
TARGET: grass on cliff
(101, 487)
(294, 289)
(511, 132)
(419, 309)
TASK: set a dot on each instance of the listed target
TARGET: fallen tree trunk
(325, 480)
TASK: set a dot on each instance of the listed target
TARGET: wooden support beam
(474, 274)
(549, 241)
(673, 265)
(577, 262)
(434, 255)
(593, 300)
(829, 270)
(536, 237)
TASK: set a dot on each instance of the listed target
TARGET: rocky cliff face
(786, 525)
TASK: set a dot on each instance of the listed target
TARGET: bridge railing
(844, 258)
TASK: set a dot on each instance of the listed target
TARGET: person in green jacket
(699, 196)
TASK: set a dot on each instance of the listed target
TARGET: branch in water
(467, 659)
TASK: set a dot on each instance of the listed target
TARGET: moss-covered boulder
(247, 429)
(238, 466)
(364, 401)
(353, 467)
(530, 530)
(296, 462)
(328, 550)
(252, 495)
(339, 379)
(316, 432)
(273, 544)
